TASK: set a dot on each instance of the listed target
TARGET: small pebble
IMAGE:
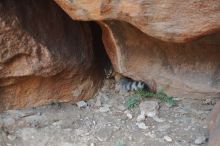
(92, 144)
(141, 125)
(81, 104)
(150, 134)
(167, 138)
(104, 109)
(11, 137)
(200, 140)
(149, 108)
(39, 113)
(128, 114)
(140, 118)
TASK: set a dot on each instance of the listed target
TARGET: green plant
(136, 98)
(160, 94)
(165, 98)
(132, 101)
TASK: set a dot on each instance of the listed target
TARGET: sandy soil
(106, 122)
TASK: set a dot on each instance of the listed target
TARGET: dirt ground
(106, 122)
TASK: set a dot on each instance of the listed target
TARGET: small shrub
(136, 98)
(132, 101)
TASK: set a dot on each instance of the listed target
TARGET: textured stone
(149, 108)
(140, 117)
(200, 140)
(104, 109)
(45, 56)
(170, 20)
(189, 70)
(128, 114)
(81, 104)
(141, 125)
(167, 138)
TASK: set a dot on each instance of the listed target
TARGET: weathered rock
(11, 137)
(128, 114)
(104, 109)
(140, 117)
(214, 126)
(190, 69)
(141, 125)
(171, 20)
(184, 70)
(81, 104)
(45, 56)
(149, 108)
(167, 138)
(200, 140)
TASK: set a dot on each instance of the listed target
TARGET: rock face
(184, 70)
(182, 67)
(45, 56)
(176, 21)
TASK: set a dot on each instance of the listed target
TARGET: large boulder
(170, 20)
(175, 43)
(189, 70)
(45, 56)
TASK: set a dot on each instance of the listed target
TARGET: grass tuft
(136, 98)
(132, 101)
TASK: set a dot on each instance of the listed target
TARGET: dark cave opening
(100, 54)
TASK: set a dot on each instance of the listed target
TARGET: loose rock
(149, 108)
(81, 104)
(11, 137)
(140, 118)
(141, 125)
(128, 114)
(200, 140)
(167, 138)
(104, 109)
